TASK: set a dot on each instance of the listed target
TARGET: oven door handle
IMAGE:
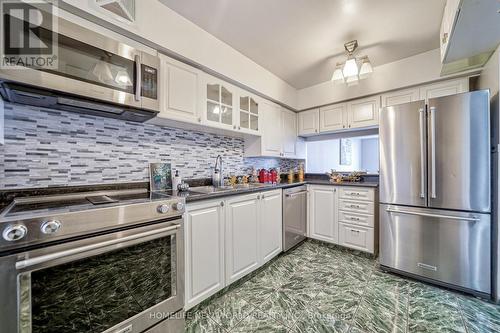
(150, 235)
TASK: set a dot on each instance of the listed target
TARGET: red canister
(273, 176)
(263, 176)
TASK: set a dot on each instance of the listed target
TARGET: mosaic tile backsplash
(55, 148)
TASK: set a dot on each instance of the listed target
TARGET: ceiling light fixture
(353, 69)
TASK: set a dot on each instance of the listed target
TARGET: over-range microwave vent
(123, 8)
(26, 95)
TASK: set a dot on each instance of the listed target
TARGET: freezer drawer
(447, 246)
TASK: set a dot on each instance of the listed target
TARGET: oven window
(94, 294)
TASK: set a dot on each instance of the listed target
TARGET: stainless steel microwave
(95, 75)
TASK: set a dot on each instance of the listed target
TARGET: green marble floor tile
(199, 322)
(228, 310)
(480, 316)
(260, 322)
(254, 291)
(340, 304)
(285, 307)
(431, 309)
(315, 322)
(382, 309)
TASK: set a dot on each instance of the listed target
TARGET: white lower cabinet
(323, 213)
(204, 251)
(271, 226)
(242, 230)
(227, 239)
(356, 237)
(344, 215)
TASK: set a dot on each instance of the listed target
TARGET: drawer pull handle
(356, 231)
(354, 206)
(355, 218)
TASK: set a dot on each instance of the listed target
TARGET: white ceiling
(301, 40)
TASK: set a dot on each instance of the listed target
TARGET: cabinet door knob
(222, 203)
(199, 119)
(239, 127)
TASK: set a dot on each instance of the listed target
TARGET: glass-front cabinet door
(248, 114)
(219, 97)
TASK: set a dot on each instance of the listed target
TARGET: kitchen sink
(212, 189)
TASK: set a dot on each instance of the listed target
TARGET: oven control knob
(51, 227)
(163, 209)
(14, 232)
(179, 206)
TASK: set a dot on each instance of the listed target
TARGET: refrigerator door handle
(433, 152)
(422, 154)
(449, 217)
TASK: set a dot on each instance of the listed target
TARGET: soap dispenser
(176, 181)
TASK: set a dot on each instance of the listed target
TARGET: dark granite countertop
(192, 197)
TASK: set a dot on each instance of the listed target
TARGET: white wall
(369, 155)
(410, 71)
(163, 26)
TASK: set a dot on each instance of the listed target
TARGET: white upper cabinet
(180, 95)
(219, 103)
(279, 134)
(445, 88)
(309, 122)
(449, 16)
(333, 117)
(272, 130)
(363, 112)
(249, 115)
(289, 133)
(400, 97)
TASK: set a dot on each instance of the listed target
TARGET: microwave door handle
(138, 83)
(83, 251)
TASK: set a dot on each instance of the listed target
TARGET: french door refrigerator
(435, 191)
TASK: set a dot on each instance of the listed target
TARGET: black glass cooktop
(84, 201)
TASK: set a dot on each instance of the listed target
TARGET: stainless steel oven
(122, 281)
(95, 74)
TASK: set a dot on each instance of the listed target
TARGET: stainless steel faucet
(218, 175)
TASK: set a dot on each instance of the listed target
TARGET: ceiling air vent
(123, 8)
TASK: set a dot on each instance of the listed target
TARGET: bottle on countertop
(176, 181)
(301, 172)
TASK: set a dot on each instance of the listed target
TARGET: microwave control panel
(149, 82)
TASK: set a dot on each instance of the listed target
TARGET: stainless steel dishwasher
(294, 216)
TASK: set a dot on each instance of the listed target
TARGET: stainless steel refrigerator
(435, 202)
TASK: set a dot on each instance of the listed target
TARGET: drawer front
(358, 193)
(356, 237)
(357, 219)
(354, 206)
